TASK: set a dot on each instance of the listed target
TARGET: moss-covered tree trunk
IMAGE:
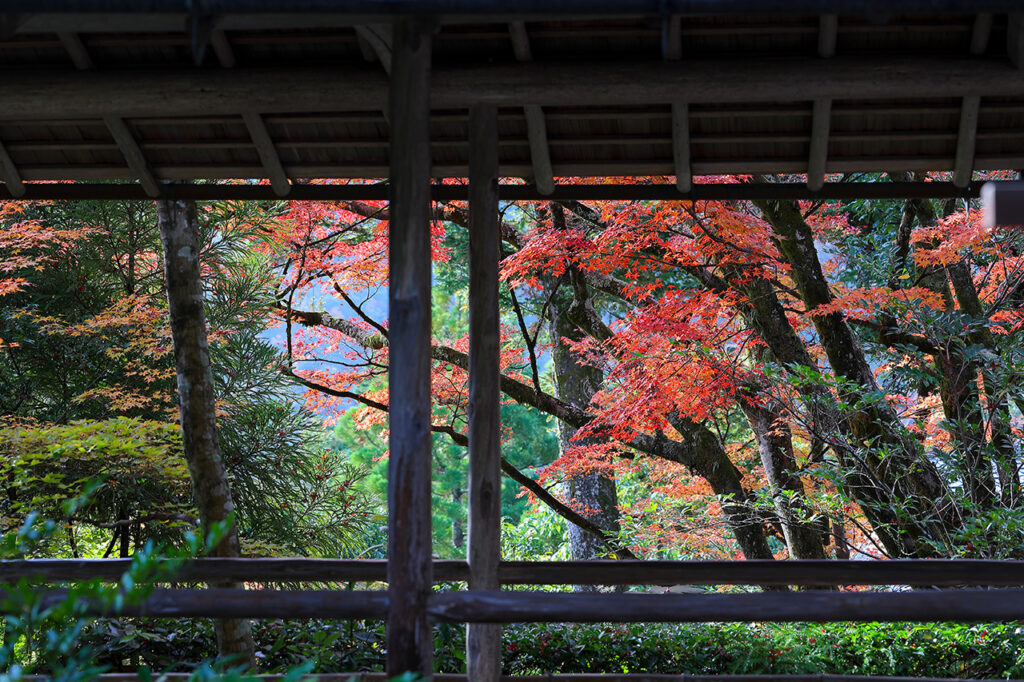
(179, 232)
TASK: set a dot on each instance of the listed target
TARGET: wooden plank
(409, 639)
(520, 41)
(589, 607)
(672, 38)
(76, 49)
(1015, 38)
(140, 93)
(119, 12)
(222, 48)
(586, 607)
(133, 154)
(574, 677)
(681, 146)
(966, 141)
(268, 153)
(378, 38)
(248, 570)
(828, 31)
(818, 157)
(981, 30)
(483, 641)
(609, 192)
(238, 604)
(10, 175)
(540, 153)
(937, 572)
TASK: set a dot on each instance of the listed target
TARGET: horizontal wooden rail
(225, 602)
(583, 607)
(509, 192)
(589, 607)
(572, 677)
(939, 573)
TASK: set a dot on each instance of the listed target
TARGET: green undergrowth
(900, 649)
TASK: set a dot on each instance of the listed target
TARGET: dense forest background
(682, 380)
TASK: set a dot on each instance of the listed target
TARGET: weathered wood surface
(247, 570)
(483, 641)
(939, 573)
(589, 607)
(143, 93)
(409, 638)
(573, 677)
(808, 572)
(612, 192)
(236, 603)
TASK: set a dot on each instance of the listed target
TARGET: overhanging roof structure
(161, 91)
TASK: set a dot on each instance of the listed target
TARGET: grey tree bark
(179, 232)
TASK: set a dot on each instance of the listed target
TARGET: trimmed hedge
(901, 649)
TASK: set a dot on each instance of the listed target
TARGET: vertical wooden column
(409, 639)
(483, 641)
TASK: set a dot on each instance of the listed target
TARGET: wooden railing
(934, 573)
(492, 606)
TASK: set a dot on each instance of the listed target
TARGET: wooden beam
(409, 639)
(483, 642)
(520, 41)
(672, 38)
(1015, 38)
(932, 572)
(518, 192)
(818, 158)
(589, 607)
(681, 146)
(77, 50)
(980, 32)
(133, 154)
(144, 93)
(378, 38)
(536, 126)
(540, 152)
(828, 30)
(235, 603)
(10, 175)
(222, 48)
(268, 153)
(963, 165)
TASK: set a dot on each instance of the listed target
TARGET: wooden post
(483, 641)
(409, 641)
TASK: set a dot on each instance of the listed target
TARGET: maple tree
(737, 354)
(88, 345)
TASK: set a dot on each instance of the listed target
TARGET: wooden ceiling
(288, 97)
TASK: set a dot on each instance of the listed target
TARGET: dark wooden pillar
(483, 641)
(409, 639)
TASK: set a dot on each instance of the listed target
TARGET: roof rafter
(536, 126)
(133, 154)
(269, 157)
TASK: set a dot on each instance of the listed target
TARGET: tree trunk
(929, 508)
(775, 445)
(179, 232)
(592, 494)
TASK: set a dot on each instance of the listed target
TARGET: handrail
(937, 572)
